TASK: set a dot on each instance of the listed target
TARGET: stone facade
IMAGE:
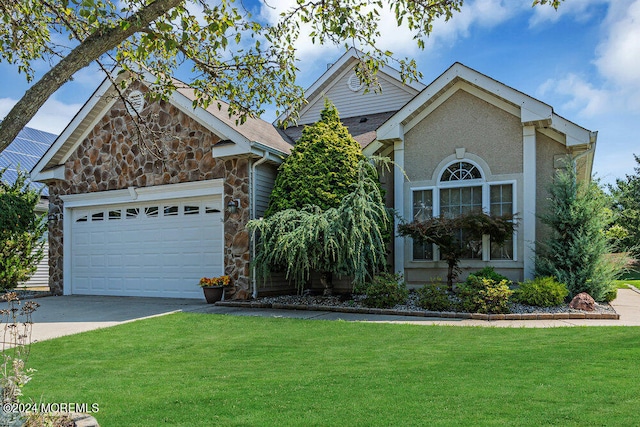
(174, 149)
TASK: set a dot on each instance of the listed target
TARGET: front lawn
(197, 369)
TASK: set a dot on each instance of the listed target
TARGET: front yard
(197, 369)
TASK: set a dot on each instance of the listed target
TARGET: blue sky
(583, 60)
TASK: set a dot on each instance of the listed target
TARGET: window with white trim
(422, 210)
(461, 189)
(501, 203)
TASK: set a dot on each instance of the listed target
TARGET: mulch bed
(351, 304)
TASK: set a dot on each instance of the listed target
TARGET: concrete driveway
(66, 315)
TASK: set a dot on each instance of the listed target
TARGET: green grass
(631, 277)
(195, 369)
(622, 284)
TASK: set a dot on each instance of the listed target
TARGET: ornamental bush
(541, 292)
(482, 295)
(434, 297)
(385, 291)
(21, 232)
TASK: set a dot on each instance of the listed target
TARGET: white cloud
(89, 77)
(5, 106)
(579, 10)
(583, 98)
(52, 117)
(619, 54)
(484, 13)
(617, 60)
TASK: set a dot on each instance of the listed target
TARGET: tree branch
(81, 56)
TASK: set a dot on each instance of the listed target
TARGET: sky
(583, 60)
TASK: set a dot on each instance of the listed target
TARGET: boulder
(583, 301)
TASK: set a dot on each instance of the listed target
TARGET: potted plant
(213, 287)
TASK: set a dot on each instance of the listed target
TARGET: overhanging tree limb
(81, 56)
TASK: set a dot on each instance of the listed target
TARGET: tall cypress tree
(626, 205)
(576, 251)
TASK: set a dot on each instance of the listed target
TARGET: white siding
(41, 277)
(265, 178)
(350, 104)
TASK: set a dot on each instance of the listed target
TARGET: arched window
(462, 188)
(460, 171)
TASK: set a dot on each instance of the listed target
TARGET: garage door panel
(147, 253)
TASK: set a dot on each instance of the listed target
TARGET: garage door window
(151, 212)
(191, 210)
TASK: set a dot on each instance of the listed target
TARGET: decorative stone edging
(440, 314)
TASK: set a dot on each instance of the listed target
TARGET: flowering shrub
(215, 281)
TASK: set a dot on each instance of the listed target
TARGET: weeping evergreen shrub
(346, 240)
(575, 252)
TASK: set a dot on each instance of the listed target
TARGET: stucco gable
(460, 77)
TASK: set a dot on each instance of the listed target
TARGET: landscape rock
(583, 301)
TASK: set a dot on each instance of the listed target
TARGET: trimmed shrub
(321, 168)
(541, 292)
(489, 273)
(482, 295)
(434, 297)
(385, 291)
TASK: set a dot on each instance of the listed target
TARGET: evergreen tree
(576, 251)
(626, 206)
(21, 232)
(321, 169)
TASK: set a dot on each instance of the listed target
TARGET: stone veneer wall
(109, 159)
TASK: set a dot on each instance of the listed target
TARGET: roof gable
(341, 86)
(460, 77)
(245, 136)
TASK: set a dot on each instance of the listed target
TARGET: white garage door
(158, 249)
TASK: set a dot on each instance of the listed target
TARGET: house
(23, 153)
(151, 218)
(148, 206)
(463, 142)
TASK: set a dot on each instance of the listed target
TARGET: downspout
(591, 149)
(254, 165)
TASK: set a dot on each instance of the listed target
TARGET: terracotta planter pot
(213, 293)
